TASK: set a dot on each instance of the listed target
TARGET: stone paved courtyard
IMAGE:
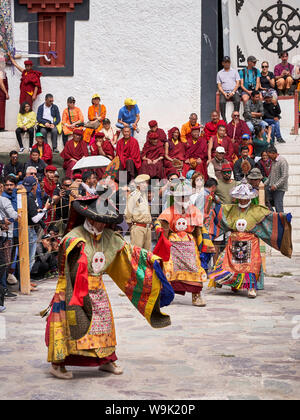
(233, 348)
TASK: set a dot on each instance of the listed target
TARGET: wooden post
(262, 202)
(23, 241)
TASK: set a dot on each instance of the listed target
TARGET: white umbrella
(92, 162)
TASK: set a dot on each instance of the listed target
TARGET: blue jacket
(14, 201)
(54, 112)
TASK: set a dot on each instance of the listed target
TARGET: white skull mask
(98, 262)
(241, 225)
(181, 225)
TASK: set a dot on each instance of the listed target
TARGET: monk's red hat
(226, 167)
(152, 123)
(99, 135)
(77, 176)
(78, 132)
(50, 168)
(28, 63)
(196, 127)
(153, 136)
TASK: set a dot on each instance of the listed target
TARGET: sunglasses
(32, 173)
(227, 172)
(236, 115)
(265, 67)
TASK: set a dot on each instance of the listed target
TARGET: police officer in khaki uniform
(138, 215)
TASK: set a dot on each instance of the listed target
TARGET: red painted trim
(50, 6)
(218, 101)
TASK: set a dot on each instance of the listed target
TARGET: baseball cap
(220, 149)
(71, 99)
(246, 136)
(252, 58)
(226, 58)
(29, 182)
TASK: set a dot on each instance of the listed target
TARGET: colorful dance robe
(190, 249)
(80, 328)
(240, 265)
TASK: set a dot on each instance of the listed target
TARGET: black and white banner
(262, 28)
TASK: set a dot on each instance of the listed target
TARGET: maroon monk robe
(226, 143)
(153, 152)
(71, 152)
(109, 152)
(129, 151)
(236, 133)
(161, 135)
(211, 129)
(29, 81)
(3, 104)
(176, 151)
(195, 151)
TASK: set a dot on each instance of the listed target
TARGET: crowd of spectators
(215, 157)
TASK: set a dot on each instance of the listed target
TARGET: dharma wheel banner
(260, 28)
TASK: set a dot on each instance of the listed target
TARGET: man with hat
(138, 214)
(240, 266)
(30, 86)
(96, 116)
(80, 328)
(215, 167)
(71, 116)
(228, 81)
(74, 150)
(152, 156)
(48, 118)
(129, 116)
(196, 153)
(250, 79)
(188, 243)
(43, 148)
(153, 126)
(255, 178)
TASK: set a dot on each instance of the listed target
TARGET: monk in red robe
(211, 127)
(236, 129)
(102, 147)
(44, 149)
(129, 153)
(152, 156)
(220, 140)
(196, 154)
(153, 125)
(30, 86)
(174, 151)
(74, 150)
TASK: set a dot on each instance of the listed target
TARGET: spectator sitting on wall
(254, 112)
(153, 128)
(129, 116)
(272, 112)
(71, 116)
(243, 166)
(25, 124)
(250, 79)
(267, 81)
(283, 75)
(44, 149)
(228, 81)
(14, 166)
(48, 118)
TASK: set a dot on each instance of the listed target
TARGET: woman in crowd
(25, 124)
(264, 165)
(109, 132)
(211, 128)
(267, 81)
(261, 141)
(97, 112)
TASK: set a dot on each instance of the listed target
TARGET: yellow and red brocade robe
(184, 269)
(135, 271)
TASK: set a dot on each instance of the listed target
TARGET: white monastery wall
(149, 50)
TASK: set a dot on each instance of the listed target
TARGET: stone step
(293, 159)
(294, 180)
(9, 142)
(293, 189)
(294, 169)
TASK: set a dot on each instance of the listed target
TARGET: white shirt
(228, 79)
(47, 113)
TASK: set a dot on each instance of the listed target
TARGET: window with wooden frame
(52, 37)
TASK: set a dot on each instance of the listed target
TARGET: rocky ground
(235, 348)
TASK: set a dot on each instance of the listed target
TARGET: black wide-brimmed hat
(102, 208)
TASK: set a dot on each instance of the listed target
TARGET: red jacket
(47, 153)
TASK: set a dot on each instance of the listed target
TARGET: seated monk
(174, 151)
(211, 127)
(196, 154)
(96, 112)
(102, 147)
(220, 140)
(186, 129)
(152, 157)
(129, 153)
(153, 125)
(236, 129)
(74, 150)
(43, 148)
